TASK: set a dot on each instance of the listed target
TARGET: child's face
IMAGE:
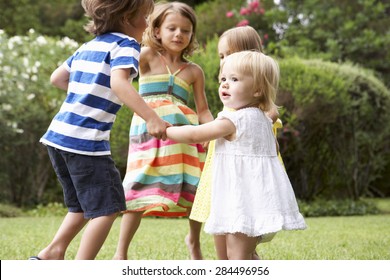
(236, 89)
(175, 32)
(223, 50)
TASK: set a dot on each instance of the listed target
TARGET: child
(96, 78)
(251, 194)
(245, 38)
(162, 176)
(232, 40)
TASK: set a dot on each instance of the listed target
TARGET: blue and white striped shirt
(84, 122)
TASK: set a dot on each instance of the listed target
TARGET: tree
(261, 15)
(338, 31)
(49, 18)
(347, 30)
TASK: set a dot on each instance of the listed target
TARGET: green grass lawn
(327, 238)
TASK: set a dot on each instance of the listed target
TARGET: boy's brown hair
(107, 16)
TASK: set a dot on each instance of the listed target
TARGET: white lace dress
(251, 192)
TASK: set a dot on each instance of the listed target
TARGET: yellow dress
(202, 202)
(277, 125)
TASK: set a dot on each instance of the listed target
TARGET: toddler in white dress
(252, 197)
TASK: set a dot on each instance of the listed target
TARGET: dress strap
(172, 76)
(169, 70)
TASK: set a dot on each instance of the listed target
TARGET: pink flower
(265, 36)
(229, 14)
(254, 5)
(244, 11)
(261, 11)
(244, 22)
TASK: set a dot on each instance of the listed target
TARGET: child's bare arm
(60, 78)
(200, 99)
(201, 133)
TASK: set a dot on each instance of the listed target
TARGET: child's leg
(70, 227)
(240, 246)
(192, 240)
(94, 236)
(129, 226)
(220, 246)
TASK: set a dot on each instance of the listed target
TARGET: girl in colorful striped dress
(162, 176)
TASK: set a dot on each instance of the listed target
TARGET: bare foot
(50, 253)
(119, 258)
(193, 249)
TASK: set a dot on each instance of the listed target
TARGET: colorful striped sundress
(162, 176)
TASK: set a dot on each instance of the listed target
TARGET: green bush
(336, 122)
(27, 104)
(9, 211)
(52, 209)
(207, 58)
(120, 137)
(322, 208)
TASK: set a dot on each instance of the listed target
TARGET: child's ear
(157, 33)
(257, 94)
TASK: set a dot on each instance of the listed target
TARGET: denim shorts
(91, 184)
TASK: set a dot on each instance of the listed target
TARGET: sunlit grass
(328, 238)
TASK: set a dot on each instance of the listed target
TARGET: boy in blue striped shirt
(97, 78)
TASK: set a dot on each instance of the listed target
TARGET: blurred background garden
(334, 95)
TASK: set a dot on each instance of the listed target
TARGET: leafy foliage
(212, 18)
(52, 209)
(28, 102)
(332, 142)
(329, 208)
(9, 211)
(50, 18)
(341, 31)
(119, 140)
(338, 31)
(208, 59)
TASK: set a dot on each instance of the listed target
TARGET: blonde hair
(107, 16)
(263, 69)
(158, 16)
(242, 38)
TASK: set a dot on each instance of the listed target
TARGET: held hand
(157, 128)
(164, 135)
